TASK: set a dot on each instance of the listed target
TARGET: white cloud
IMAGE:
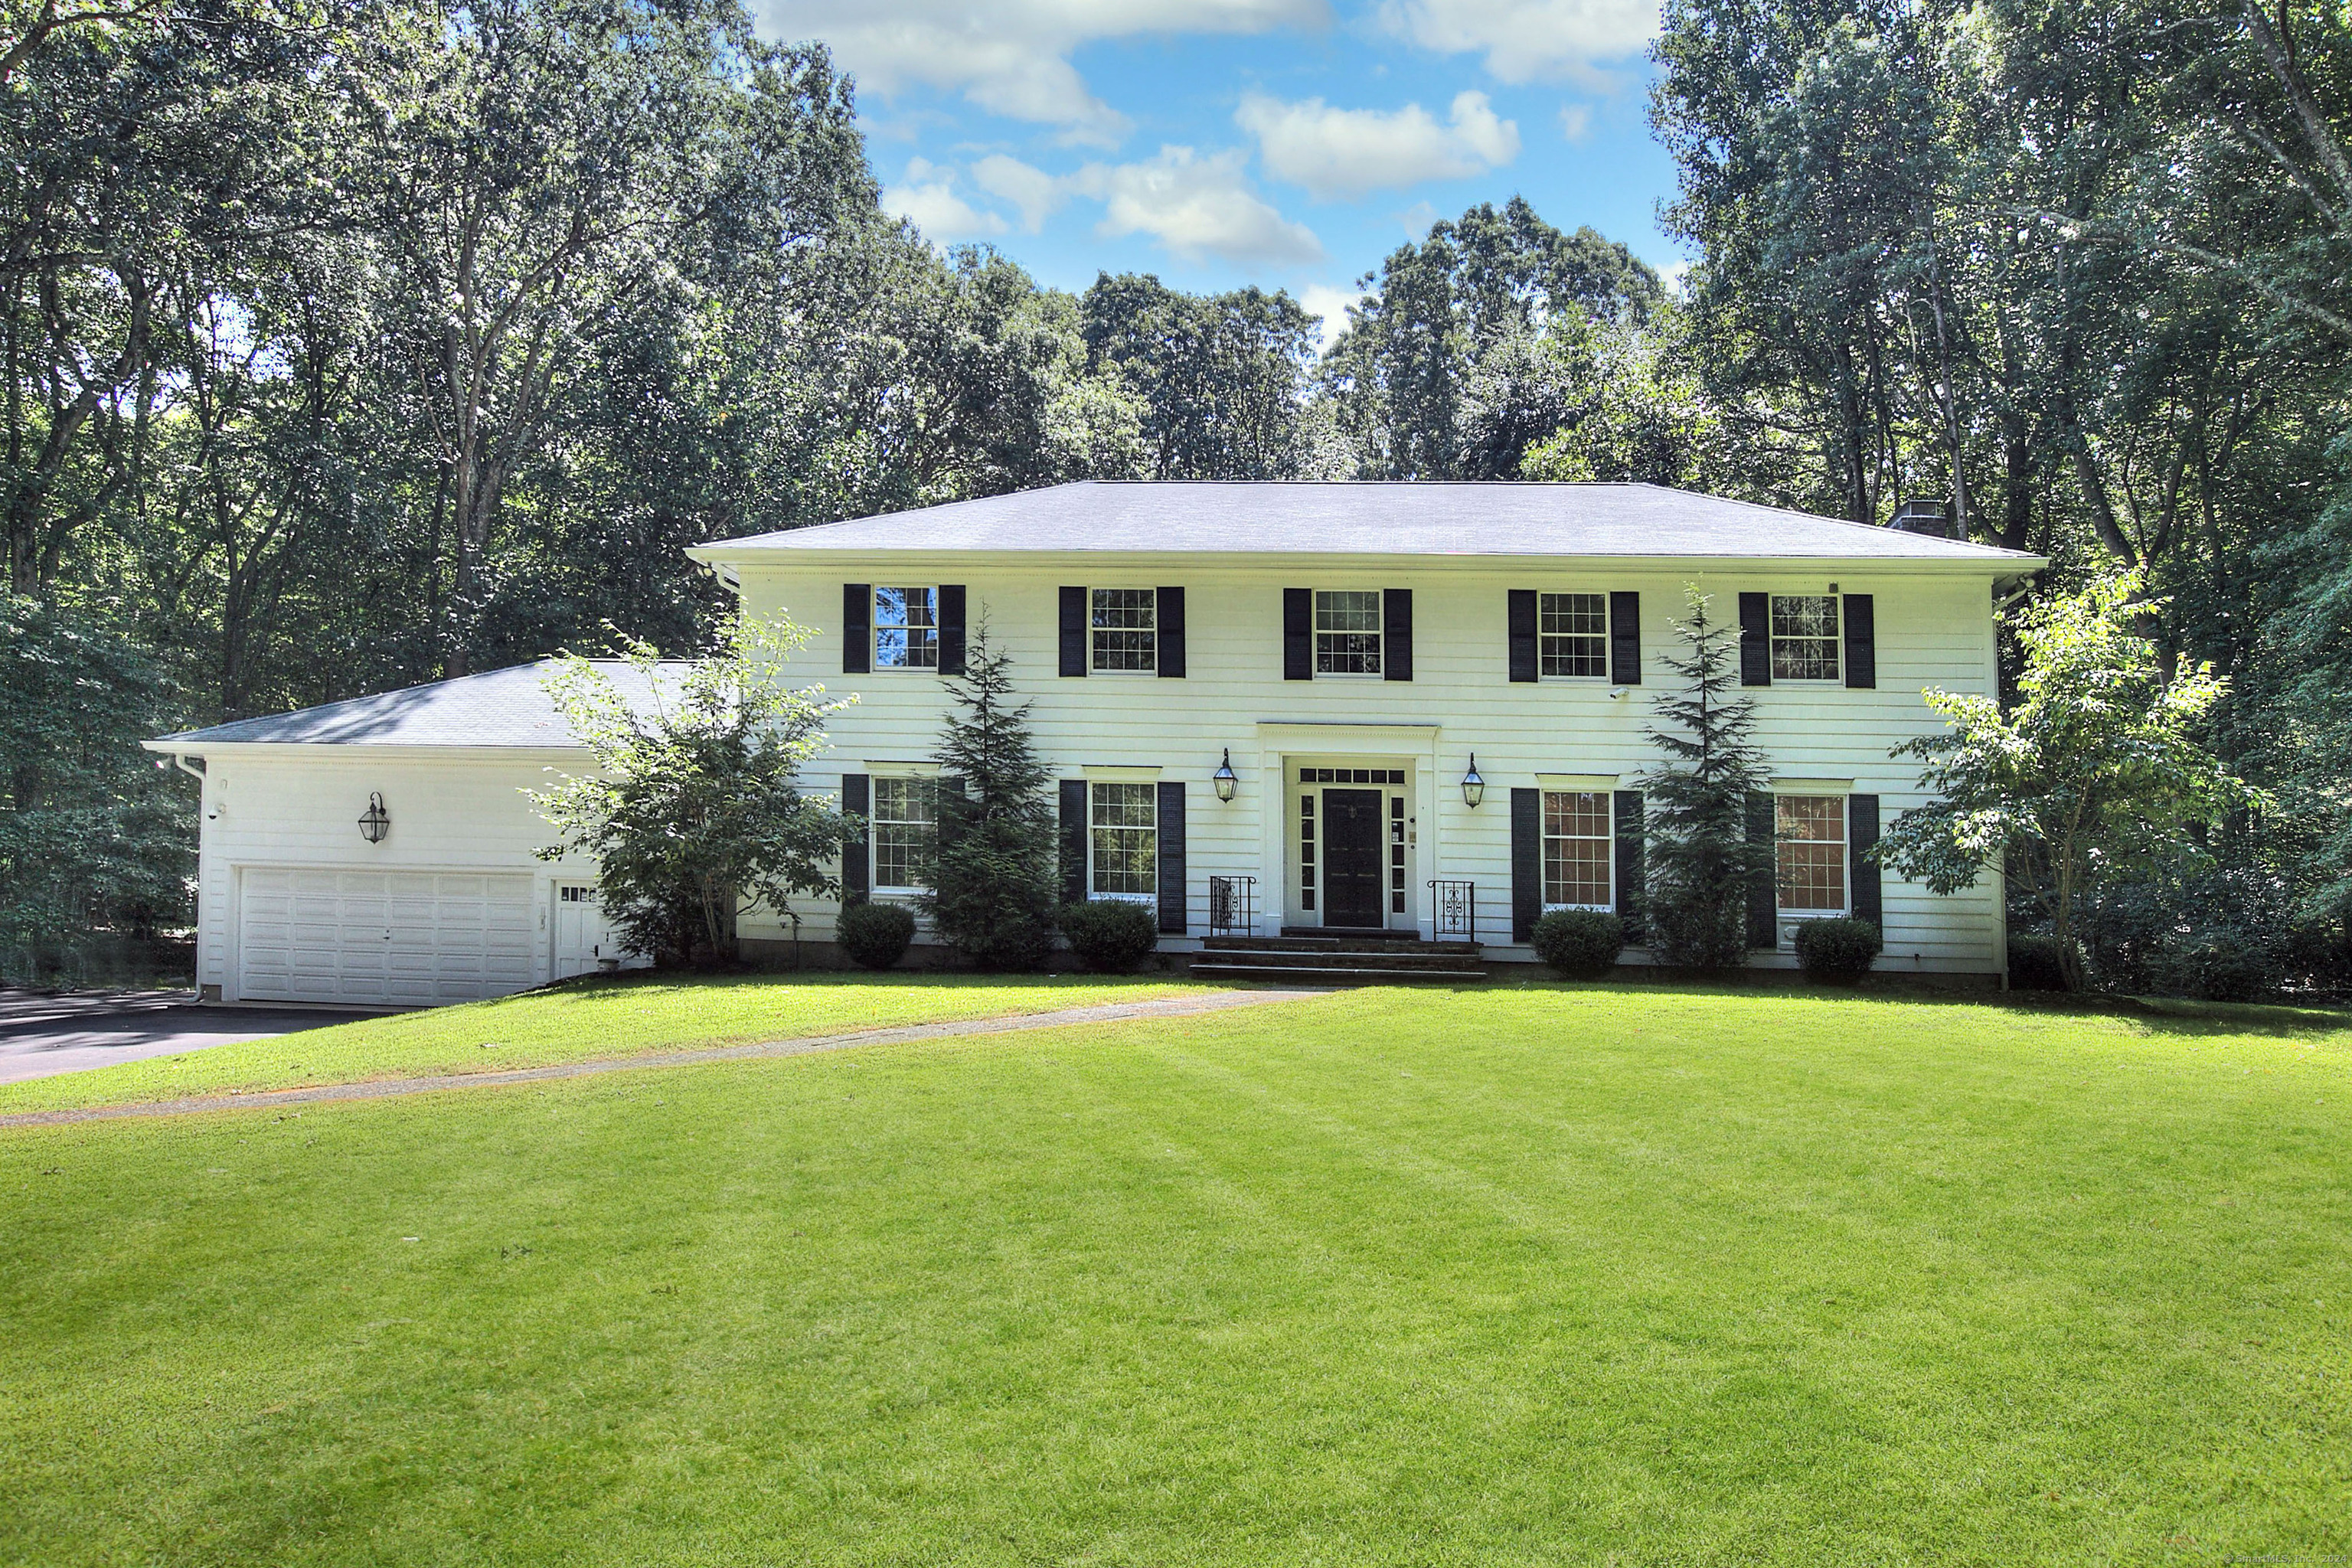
(1033, 191)
(926, 197)
(1196, 206)
(1347, 152)
(1011, 57)
(1417, 219)
(1575, 121)
(1331, 304)
(1525, 40)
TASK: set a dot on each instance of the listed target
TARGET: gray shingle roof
(1245, 517)
(508, 707)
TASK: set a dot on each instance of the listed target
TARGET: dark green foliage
(1579, 944)
(93, 831)
(1837, 951)
(1110, 936)
(1220, 375)
(875, 935)
(994, 896)
(692, 808)
(1701, 860)
(2035, 964)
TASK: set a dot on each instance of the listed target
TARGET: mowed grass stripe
(1513, 1277)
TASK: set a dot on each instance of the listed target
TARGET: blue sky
(1289, 144)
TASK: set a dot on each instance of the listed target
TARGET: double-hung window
(1124, 833)
(1804, 637)
(905, 818)
(1572, 634)
(1347, 631)
(1810, 834)
(906, 629)
(1126, 629)
(1577, 860)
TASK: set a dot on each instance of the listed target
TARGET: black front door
(1352, 858)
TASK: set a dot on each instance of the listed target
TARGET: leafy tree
(2095, 769)
(693, 810)
(92, 836)
(993, 892)
(1220, 375)
(1702, 862)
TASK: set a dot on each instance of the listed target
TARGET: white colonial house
(1277, 711)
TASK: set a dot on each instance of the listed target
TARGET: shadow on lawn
(2155, 1015)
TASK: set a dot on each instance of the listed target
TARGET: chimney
(1925, 514)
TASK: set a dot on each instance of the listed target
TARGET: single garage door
(397, 937)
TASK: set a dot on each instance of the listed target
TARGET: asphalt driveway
(42, 1036)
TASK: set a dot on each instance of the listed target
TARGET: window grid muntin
(1804, 630)
(1810, 834)
(1125, 630)
(905, 815)
(1579, 862)
(906, 629)
(1572, 634)
(1347, 631)
(1124, 822)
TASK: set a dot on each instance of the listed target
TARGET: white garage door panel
(417, 937)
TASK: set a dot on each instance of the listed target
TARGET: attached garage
(391, 938)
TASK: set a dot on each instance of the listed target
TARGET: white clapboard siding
(1933, 629)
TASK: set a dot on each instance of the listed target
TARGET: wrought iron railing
(1232, 906)
(1453, 908)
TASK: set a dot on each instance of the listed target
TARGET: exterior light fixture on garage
(375, 822)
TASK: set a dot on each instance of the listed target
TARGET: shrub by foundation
(876, 935)
(1837, 951)
(1110, 936)
(1579, 944)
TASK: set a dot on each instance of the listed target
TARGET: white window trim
(1836, 642)
(874, 628)
(1608, 795)
(1314, 634)
(1124, 775)
(1814, 789)
(892, 892)
(1095, 665)
(1608, 628)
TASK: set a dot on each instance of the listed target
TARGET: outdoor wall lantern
(1224, 777)
(1474, 788)
(374, 822)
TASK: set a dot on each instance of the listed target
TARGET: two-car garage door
(383, 937)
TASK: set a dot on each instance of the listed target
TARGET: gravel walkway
(1101, 1013)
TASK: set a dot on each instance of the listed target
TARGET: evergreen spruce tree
(1702, 859)
(993, 888)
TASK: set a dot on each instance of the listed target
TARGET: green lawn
(1637, 1275)
(581, 1020)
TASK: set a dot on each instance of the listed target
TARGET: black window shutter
(1396, 629)
(1755, 639)
(1074, 841)
(1527, 862)
(1632, 869)
(1519, 622)
(1626, 639)
(1861, 617)
(1074, 631)
(1861, 832)
(1172, 859)
(856, 855)
(952, 628)
(1764, 892)
(1171, 633)
(856, 628)
(1299, 634)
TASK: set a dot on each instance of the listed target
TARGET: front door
(1352, 858)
